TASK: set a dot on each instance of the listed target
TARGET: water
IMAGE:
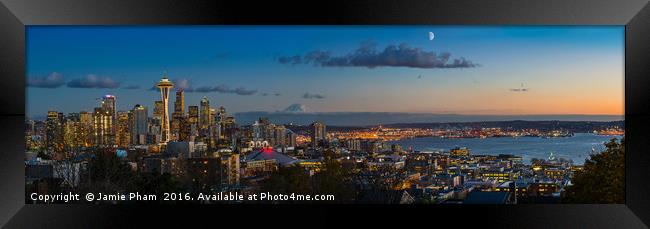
(576, 148)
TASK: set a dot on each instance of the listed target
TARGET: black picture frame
(634, 14)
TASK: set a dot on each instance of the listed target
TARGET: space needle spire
(165, 86)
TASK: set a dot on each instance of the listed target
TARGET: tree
(603, 178)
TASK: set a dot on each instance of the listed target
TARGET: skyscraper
(139, 126)
(204, 120)
(318, 133)
(178, 115)
(123, 135)
(165, 86)
(109, 105)
(54, 132)
(102, 127)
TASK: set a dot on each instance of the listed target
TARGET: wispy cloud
(53, 80)
(93, 81)
(130, 87)
(308, 95)
(226, 90)
(367, 55)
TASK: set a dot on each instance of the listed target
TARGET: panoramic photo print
(325, 114)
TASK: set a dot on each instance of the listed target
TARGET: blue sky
(565, 69)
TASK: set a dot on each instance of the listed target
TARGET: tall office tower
(179, 103)
(102, 127)
(204, 120)
(72, 136)
(178, 115)
(220, 119)
(109, 105)
(192, 125)
(165, 86)
(318, 133)
(123, 136)
(85, 128)
(139, 126)
(53, 133)
(211, 117)
(193, 115)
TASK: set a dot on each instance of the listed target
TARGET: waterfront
(576, 148)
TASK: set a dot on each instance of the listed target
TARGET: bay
(576, 148)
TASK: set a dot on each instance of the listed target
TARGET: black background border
(635, 14)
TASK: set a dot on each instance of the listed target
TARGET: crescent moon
(431, 36)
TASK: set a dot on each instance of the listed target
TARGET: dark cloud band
(93, 81)
(368, 56)
(53, 80)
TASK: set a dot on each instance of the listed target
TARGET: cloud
(93, 81)
(179, 84)
(131, 87)
(307, 95)
(183, 84)
(367, 55)
(224, 89)
(520, 89)
(53, 80)
(264, 94)
(277, 94)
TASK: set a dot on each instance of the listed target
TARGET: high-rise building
(109, 105)
(291, 138)
(165, 86)
(179, 103)
(230, 170)
(139, 125)
(54, 132)
(193, 115)
(318, 133)
(102, 127)
(178, 116)
(204, 120)
(85, 128)
(280, 136)
(123, 135)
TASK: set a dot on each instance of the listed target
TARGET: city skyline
(333, 69)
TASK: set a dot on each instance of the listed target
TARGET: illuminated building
(139, 125)
(193, 115)
(109, 105)
(459, 152)
(54, 132)
(353, 144)
(280, 136)
(178, 115)
(165, 86)
(203, 173)
(123, 134)
(291, 138)
(230, 170)
(204, 119)
(554, 173)
(220, 119)
(102, 127)
(318, 134)
(85, 128)
(500, 175)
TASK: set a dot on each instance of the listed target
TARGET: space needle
(165, 86)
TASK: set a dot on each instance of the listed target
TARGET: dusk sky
(502, 70)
